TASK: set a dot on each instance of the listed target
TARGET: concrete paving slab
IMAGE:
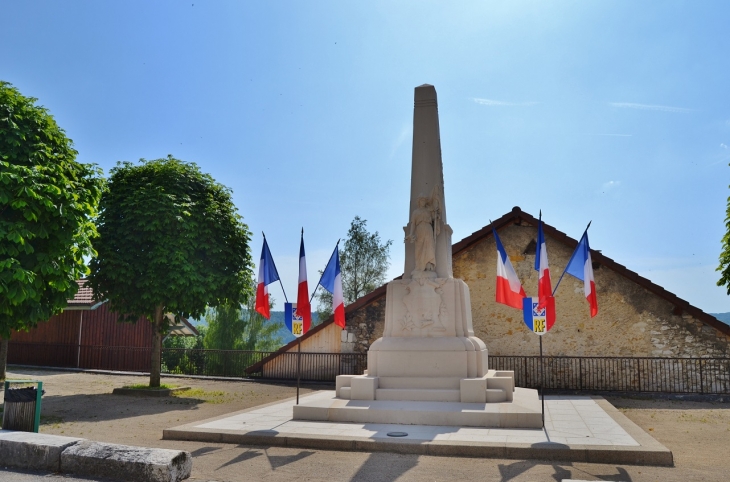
(594, 432)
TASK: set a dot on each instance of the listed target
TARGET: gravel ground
(81, 404)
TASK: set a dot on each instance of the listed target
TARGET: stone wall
(364, 326)
(631, 321)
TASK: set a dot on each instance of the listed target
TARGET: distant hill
(724, 317)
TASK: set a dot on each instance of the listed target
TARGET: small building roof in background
(184, 328)
(84, 298)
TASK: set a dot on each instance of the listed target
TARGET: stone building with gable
(636, 317)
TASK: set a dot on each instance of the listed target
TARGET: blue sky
(616, 112)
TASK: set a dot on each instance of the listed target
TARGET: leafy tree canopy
(171, 241)
(47, 205)
(170, 236)
(364, 261)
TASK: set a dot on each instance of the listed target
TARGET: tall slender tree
(364, 261)
(724, 267)
(48, 201)
(171, 241)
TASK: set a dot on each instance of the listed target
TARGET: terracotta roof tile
(84, 296)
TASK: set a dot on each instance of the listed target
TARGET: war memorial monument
(428, 368)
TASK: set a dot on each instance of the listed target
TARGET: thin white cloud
(723, 145)
(612, 135)
(662, 108)
(500, 103)
(610, 185)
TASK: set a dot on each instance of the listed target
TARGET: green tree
(364, 261)
(724, 267)
(171, 241)
(48, 202)
(241, 328)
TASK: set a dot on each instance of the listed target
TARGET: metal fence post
(702, 384)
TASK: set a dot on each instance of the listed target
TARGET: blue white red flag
(303, 308)
(581, 266)
(267, 275)
(509, 289)
(332, 281)
(544, 286)
(538, 320)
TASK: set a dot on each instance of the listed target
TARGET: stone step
(345, 392)
(418, 394)
(496, 395)
(444, 383)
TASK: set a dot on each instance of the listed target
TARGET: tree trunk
(3, 357)
(156, 347)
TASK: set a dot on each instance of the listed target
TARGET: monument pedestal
(428, 368)
(522, 412)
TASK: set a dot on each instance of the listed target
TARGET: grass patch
(213, 396)
(142, 386)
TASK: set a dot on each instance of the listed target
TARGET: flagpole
(299, 364)
(566, 266)
(299, 347)
(542, 381)
(282, 284)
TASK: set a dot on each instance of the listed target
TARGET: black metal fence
(211, 363)
(625, 374)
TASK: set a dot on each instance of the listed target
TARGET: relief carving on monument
(425, 310)
(426, 221)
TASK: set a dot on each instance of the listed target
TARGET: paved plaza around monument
(577, 428)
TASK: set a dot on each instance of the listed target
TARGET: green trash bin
(22, 406)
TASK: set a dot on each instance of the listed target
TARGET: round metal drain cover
(397, 434)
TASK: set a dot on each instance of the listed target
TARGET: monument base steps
(415, 394)
(494, 387)
(522, 412)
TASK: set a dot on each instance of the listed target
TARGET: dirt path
(81, 404)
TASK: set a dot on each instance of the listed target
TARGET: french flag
(267, 275)
(581, 266)
(332, 281)
(544, 286)
(303, 308)
(509, 288)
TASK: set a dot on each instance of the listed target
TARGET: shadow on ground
(105, 406)
(561, 471)
(646, 403)
(384, 467)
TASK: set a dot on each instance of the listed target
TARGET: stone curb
(149, 392)
(123, 462)
(54, 453)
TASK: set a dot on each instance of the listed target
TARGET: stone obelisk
(428, 352)
(428, 328)
(427, 177)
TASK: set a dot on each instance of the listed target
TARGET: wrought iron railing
(623, 374)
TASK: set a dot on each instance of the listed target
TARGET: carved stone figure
(425, 226)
